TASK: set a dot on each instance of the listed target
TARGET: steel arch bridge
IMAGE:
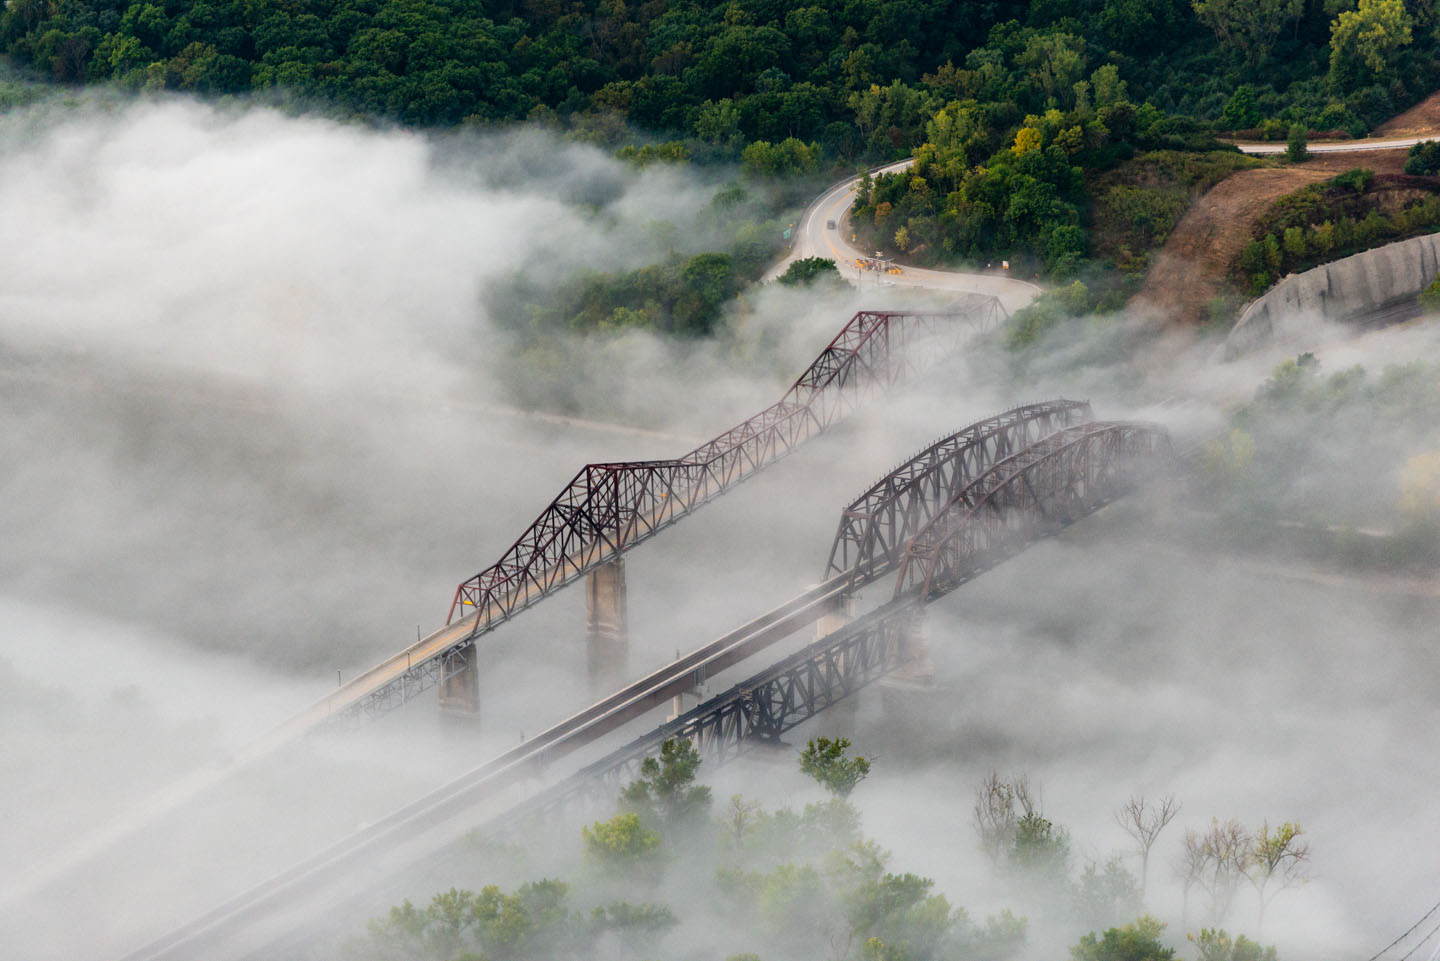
(609, 507)
(982, 518)
(1029, 495)
(985, 499)
(876, 526)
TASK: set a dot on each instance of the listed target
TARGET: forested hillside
(859, 78)
(1066, 136)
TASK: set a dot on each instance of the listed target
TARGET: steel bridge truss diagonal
(983, 519)
(876, 526)
(1079, 469)
(1048, 485)
(608, 508)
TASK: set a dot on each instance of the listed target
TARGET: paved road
(1341, 146)
(815, 239)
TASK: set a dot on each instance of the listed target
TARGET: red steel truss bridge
(972, 499)
(609, 508)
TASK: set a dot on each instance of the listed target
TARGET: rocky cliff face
(1335, 291)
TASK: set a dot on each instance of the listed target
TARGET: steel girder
(877, 525)
(609, 507)
(753, 713)
(1048, 485)
(1053, 482)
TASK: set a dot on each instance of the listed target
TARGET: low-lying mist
(256, 423)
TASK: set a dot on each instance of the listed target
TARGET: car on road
(829, 225)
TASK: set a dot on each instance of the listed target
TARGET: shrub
(1430, 297)
(1424, 158)
(1296, 150)
(808, 271)
(1356, 179)
(1273, 130)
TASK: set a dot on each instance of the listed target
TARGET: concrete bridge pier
(841, 612)
(907, 693)
(840, 716)
(607, 632)
(460, 684)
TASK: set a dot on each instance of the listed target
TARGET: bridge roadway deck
(229, 923)
(763, 706)
(406, 671)
(439, 642)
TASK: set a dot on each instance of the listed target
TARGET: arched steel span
(609, 508)
(876, 526)
(1052, 483)
(758, 710)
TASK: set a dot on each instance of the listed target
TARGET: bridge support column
(910, 700)
(842, 613)
(914, 640)
(839, 718)
(607, 633)
(683, 702)
(460, 684)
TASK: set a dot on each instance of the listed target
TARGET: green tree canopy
(1364, 42)
(825, 761)
(1248, 27)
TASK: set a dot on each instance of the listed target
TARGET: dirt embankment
(1421, 120)
(1190, 271)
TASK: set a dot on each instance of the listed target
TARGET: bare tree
(738, 817)
(1216, 861)
(1144, 822)
(1000, 803)
(1276, 861)
(1191, 868)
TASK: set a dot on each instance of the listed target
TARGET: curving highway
(815, 238)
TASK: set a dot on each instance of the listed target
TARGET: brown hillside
(1421, 120)
(1191, 269)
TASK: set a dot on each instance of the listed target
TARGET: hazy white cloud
(251, 435)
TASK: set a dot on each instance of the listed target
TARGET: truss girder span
(1035, 492)
(608, 508)
(1103, 460)
(757, 711)
(876, 526)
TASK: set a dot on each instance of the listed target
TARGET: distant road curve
(813, 238)
(1338, 146)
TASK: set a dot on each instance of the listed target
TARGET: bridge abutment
(607, 630)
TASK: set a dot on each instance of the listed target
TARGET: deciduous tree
(1248, 27)
(1364, 42)
(1277, 860)
(1144, 821)
(825, 761)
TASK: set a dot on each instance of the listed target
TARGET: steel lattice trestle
(1068, 475)
(1018, 500)
(1107, 459)
(877, 525)
(609, 508)
(757, 711)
